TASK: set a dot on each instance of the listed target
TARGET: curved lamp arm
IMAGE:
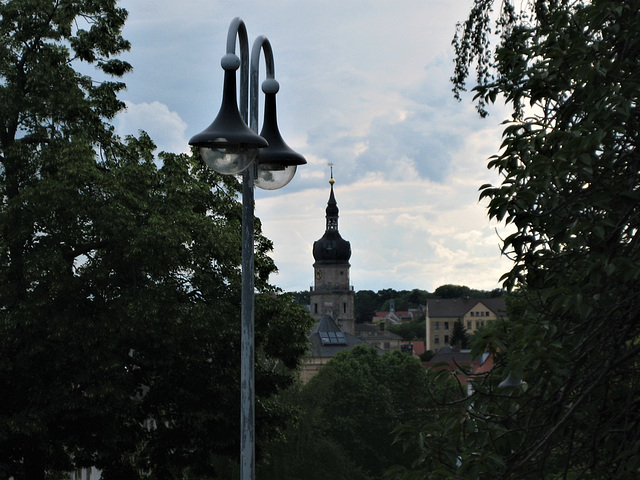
(277, 163)
(260, 43)
(238, 31)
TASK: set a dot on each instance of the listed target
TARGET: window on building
(472, 313)
(487, 314)
(436, 325)
(344, 308)
(446, 339)
(315, 308)
(469, 325)
(477, 323)
(446, 325)
(436, 340)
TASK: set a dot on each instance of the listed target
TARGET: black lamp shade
(278, 154)
(228, 145)
(277, 163)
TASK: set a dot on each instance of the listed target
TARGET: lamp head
(277, 163)
(228, 145)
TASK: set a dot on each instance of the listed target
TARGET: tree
(366, 304)
(414, 330)
(352, 406)
(452, 291)
(302, 297)
(461, 291)
(459, 336)
(120, 273)
(571, 188)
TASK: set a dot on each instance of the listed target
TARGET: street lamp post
(229, 146)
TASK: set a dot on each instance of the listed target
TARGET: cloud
(165, 127)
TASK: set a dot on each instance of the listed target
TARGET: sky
(364, 85)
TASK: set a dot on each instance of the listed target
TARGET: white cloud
(165, 128)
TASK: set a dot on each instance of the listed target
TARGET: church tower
(332, 293)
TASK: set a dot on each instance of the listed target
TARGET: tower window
(315, 308)
(344, 308)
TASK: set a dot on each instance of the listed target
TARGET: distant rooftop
(458, 307)
(327, 339)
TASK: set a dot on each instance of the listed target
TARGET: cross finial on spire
(331, 180)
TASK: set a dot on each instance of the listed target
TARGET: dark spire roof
(331, 248)
(332, 206)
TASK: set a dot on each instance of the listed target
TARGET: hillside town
(332, 305)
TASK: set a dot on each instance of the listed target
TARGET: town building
(474, 313)
(461, 365)
(377, 335)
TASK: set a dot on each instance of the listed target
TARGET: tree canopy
(348, 412)
(459, 336)
(570, 186)
(120, 272)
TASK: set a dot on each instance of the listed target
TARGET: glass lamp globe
(228, 161)
(277, 163)
(272, 177)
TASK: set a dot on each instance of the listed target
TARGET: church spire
(332, 206)
(332, 248)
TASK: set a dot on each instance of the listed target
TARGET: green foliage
(571, 188)
(403, 299)
(414, 330)
(460, 291)
(368, 302)
(426, 355)
(120, 273)
(303, 297)
(459, 336)
(348, 412)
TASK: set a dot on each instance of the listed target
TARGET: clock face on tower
(318, 274)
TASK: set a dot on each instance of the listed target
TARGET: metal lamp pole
(228, 146)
